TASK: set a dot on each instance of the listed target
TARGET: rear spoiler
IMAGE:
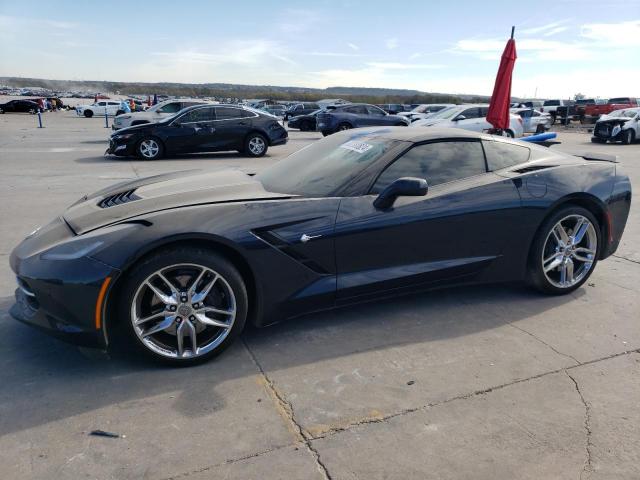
(602, 157)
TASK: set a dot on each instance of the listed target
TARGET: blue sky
(564, 46)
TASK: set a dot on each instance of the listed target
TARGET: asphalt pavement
(490, 382)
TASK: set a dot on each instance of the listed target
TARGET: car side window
(471, 113)
(246, 113)
(170, 108)
(357, 109)
(227, 113)
(503, 154)
(198, 115)
(438, 163)
(375, 111)
(102, 104)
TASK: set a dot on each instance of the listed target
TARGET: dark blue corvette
(177, 264)
(344, 117)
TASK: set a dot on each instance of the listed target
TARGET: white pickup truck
(154, 114)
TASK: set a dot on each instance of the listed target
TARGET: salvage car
(618, 126)
(176, 264)
(337, 118)
(533, 121)
(593, 112)
(201, 128)
(306, 123)
(425, 110)
(19, 106)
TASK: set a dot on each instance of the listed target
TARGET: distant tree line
(353, 94)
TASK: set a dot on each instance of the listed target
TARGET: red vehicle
(593, 112)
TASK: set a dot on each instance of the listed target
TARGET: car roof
(415, 135)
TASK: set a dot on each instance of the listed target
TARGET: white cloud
(555, 31)
(491, 49)
(353, 46)
(549, 27)
(403, 66)
(391, 43)
(622, 34)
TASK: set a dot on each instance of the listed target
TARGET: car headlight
(124, 136)
(72, 250)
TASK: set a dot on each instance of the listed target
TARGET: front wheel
(183, 306)
(628, 137)
(88, 113)
(255, 145)
(344, 126)
(564, 251)
(150, 149)
(540, 129)
(509, 133)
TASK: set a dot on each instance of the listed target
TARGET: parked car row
(469, 117)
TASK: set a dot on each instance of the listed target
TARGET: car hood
(428, 122)
(608, 118)
(162, 192)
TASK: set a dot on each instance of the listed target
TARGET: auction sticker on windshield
(359, 147)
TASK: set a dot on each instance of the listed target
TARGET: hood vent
(533, 168)
(118, 199)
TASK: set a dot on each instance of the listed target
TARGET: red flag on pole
(498, 114)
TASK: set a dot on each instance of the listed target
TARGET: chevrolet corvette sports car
(176, 264)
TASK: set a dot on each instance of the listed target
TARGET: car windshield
(321, 168)
(446, 113)
(629, 113)
(619, 100)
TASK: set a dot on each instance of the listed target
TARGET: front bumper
(121, 148)
(61, 297)
(608, 132)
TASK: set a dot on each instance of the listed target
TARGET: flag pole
(513, 29)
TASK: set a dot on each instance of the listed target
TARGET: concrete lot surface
(492, 382)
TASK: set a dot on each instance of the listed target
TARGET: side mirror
(459, 117)
(402, 187)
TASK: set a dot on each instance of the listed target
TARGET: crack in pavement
(305, 438)
(545, 343)
(627, 259)
(286, 407)
(588, 466)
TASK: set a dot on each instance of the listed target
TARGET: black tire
(325, 133)
(124, 331)
(344, 126)
(540, 129)
(88, 113)
(150, 148)
(255, 145)
(553, 119)
(1, 110)
(509, 134)
(33, 111)
(628, 137)
(598, 140)
(305, 126)
(536, 274)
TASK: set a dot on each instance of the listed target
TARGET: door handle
(305, 238)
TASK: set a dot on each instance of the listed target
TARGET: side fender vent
(533, 168)
(118, 199)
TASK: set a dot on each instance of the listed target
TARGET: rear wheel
(628, 137)
(564, 251)
(255, 145)
(325, 133)
(150, 148)
(88, 113)
(344, 126)
(305, 126)
(183, 306)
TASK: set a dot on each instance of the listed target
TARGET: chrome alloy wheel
(183, 311)
(256, 145)
(569, 251)
(149, 148)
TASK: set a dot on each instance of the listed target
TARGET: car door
(99, 108)
(457, 230)
(167, 110)
(232, 125)
(376, 116)
(193, 131)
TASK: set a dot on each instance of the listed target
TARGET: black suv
(302, 108)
